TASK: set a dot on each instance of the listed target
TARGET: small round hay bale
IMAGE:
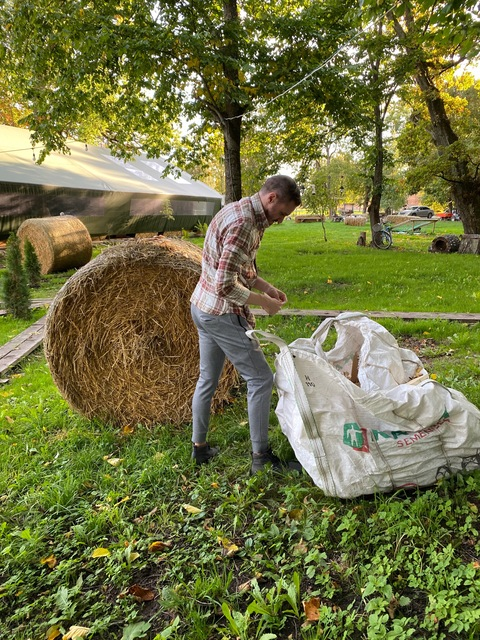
(355, 221)
(119, 338)
(396, 219)
(60, 242)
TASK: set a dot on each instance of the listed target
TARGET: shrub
(15, 291)
(31, 265)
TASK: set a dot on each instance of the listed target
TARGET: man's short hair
(285, 187)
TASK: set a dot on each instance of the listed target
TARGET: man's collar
(260, 217)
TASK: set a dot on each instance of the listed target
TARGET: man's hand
(273, 292)
(272, 305)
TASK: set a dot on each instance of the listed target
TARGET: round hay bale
(355, 221)
(119, 338)
(396, 219)
(60, 242)
(448, 243)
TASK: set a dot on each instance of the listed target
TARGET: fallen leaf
(392, 607)
(229, 548)
(214, 485)
(245, 586)
(158, 545)
(9, 419)
(141, 593)
(51, 561)
(100, 552)
(191, 509)
(311, 608)
(76, 632)
(301, 547)
(115, 462)
(295, 514)
(127, 430)
(53, 633)
(476, 564)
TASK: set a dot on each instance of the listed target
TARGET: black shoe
(261, 460)
(201, 455)
(295, 465)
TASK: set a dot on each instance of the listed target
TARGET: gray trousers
(220, 337)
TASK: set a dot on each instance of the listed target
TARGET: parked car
(418, 210)
(445, 215)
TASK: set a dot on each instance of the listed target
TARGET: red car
(446, 215)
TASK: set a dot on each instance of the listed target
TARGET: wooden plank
(22, 345)
(403, 315)
(309, 218)
(40, 302)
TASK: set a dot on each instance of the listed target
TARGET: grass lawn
(114, 534)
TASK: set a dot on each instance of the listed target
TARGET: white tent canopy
(89, 167)
(111, 196)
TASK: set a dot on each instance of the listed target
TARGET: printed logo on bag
(356, 437)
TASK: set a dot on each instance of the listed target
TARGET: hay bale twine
(60, 242)
(448, 243)
(119, 338)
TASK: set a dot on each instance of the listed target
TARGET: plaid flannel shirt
(228, 263)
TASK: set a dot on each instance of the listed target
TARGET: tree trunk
(374, 206)
(232, 116)
(377, 185)
(233, 169)
(465, 187)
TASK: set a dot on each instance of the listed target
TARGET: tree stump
(362, 239)
(470, 243)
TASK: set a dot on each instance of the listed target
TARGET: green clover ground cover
(114, 534)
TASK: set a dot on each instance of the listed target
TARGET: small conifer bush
(15, 290)
(31, 265)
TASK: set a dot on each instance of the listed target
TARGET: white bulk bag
(397, 428)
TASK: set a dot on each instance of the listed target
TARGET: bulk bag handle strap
(303, 405)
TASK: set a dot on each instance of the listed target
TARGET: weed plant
(114, 534)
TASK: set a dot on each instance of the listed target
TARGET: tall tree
(437, 36)
(382, 75)
(127, 72)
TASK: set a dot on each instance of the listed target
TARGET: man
(221, 313)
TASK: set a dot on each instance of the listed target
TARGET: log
(448, 243)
